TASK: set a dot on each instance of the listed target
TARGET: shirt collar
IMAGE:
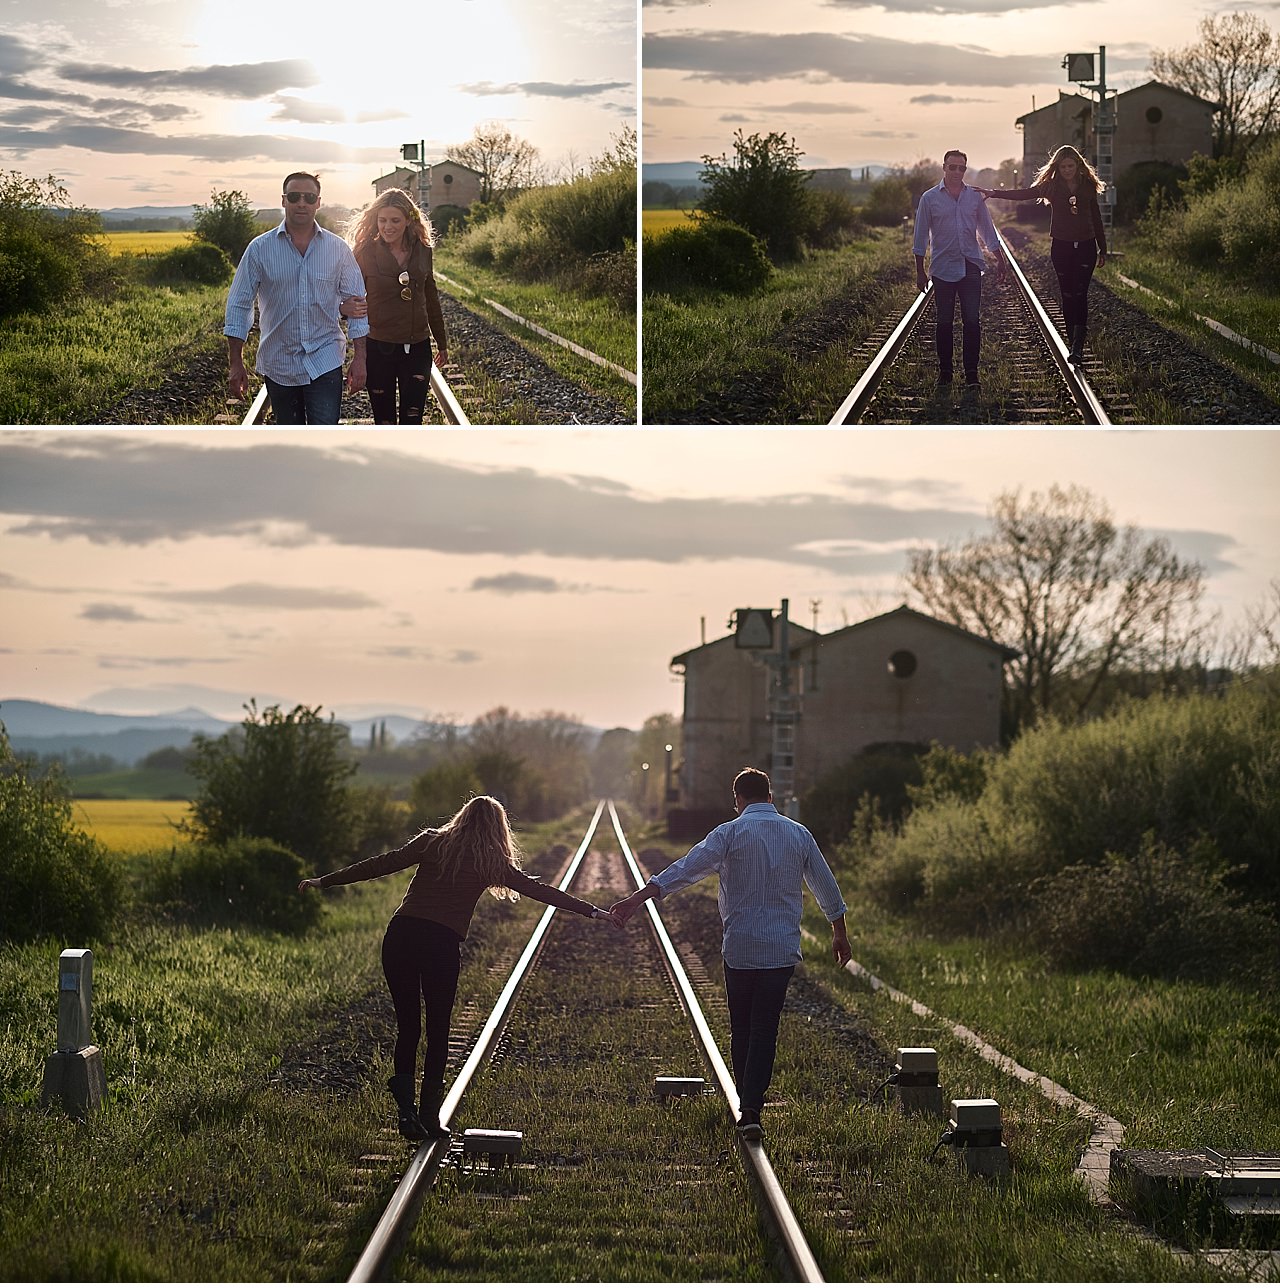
(760, 805)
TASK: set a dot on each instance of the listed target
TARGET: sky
(161, 102)
(445, 573)
(864, 82)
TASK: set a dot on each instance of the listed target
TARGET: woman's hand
(309, 883)
(442, 356)
(1102, 258)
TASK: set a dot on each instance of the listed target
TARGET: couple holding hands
(762, 858)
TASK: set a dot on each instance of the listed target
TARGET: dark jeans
(1074, 263)
(755, 1007)
(421, 960)
(969, 291)
(390, 367)
(317, 403)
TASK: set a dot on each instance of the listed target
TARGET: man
(952, 216)
(299, 274)
(761, 858)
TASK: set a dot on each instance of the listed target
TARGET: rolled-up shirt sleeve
(244, 289)
(822, 884)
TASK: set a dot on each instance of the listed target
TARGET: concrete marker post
(73, 1074)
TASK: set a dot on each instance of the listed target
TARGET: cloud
(544, 89)
(113, 613)
(116, 489)
(235, 80)
(658, 100)
(523, 583)
(132, 662)
(747, 57)
(260, 595)
(424, 653)
(971, 7)
(935, 100)
(818, 109)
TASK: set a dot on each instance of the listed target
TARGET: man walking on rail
(952, 216)
(762, 859)
(299, 274)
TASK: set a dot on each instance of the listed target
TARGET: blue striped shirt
(762, 858)
(953, 224)
(298, 297)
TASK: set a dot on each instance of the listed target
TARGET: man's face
(953, 169)
(300, 212)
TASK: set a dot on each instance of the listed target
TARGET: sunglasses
(309, 197)
(960, 168)
(405, 292)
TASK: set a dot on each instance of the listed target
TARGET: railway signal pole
(417, 154)
(1080, 69)
(753, 629)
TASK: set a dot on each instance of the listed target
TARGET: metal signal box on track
(976, 1136)
(915, 1075)
(504, 1146)
(670, 1088)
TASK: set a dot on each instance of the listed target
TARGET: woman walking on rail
(473, 852)
(392, 241)
(1070, 186)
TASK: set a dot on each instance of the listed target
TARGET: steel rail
(1086, 400)
(850, 411)
(397, 1219)
(449, 405)
(803, 1263)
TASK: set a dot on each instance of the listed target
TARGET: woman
(1071, 186)
(473, 852)
(392, 241)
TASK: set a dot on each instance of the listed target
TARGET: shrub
(1134, 188)
(55, 880)
(245, 881)
(762, 189)
(227, 222)
(706, 254)
(1156, 912)
(833, 219)
(889, 203)
(882, 776)
(200, 264)
(33, 273)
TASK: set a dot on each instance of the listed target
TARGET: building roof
(681, 658)
(1007, 654)
(1086, 102)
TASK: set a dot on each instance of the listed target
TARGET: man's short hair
(753, 785)
(299, 174)
(954, 152)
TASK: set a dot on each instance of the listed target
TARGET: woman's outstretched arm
(376, 865)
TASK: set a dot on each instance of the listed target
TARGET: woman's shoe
(1076, 356)
(410, 1124)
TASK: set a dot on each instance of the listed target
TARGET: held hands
(599, 914)
(625, 909)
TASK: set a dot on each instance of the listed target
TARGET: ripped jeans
(390, 369)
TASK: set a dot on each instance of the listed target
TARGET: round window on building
(448, 178)
(902, 663)
(1154, 116)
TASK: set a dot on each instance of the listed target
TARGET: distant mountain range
(40, 728)
(119, 213)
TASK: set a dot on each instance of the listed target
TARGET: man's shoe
(971, 380)
(944, 377)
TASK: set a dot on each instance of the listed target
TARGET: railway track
(536, 1031)
(1026, 376)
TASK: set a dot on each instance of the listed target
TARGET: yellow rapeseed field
(657, 222)
(132, 826)
(144, 243)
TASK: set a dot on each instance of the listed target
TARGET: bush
(882, 776)
(707, 255)
(227, 222)
(833, 219)
(245, 881)
(1156, 912)
(1135, 187)
(55, 880)
(34, 274)
(889, 203)
(199, 264)
(762, 190)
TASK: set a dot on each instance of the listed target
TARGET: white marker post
(74, 1074)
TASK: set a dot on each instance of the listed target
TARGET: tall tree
(1082, 599)
(227, 222)
(762, 190)
(1236, 64)
(504, 161)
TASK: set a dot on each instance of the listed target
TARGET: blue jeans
(755, 1008)
(315, 404)
(969, 291)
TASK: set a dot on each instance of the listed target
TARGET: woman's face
(1067, 168)
(391, 225)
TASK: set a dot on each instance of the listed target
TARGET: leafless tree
(1236, 64)
(1082, 599)
(506, 162)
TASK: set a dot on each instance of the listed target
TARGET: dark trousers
(1074, 262)
(755, 1007)
(421, 960)
(391, 369)
(317, 403)
(969, 292)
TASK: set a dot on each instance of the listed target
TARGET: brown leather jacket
(391, 318)
(1079, 222)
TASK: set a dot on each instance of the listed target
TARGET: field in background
(656, 222)
(132, 826)
(144, 243)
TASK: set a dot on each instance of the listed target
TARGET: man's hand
(237, 379)
(356, 374)
(922, 279)
(840, 949)
(625, 909)
(354, 306)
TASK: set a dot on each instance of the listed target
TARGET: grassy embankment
(695, 345)
(595, 322)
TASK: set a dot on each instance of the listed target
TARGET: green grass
(595, 322)
(697, 345)
(134, 784)
(76, 362)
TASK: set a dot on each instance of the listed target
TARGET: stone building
(1154, 122)
(901, 677)
(451, 185)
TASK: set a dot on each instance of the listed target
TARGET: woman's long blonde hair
(363, 229)
(1086, 175)
(478, 838)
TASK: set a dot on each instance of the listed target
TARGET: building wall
(451, 184)
(953, 696)
(1183, 126)
(1043, 132)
